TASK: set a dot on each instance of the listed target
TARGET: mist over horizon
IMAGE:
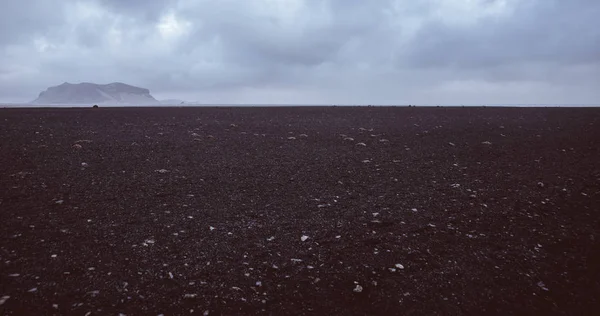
(267, 52)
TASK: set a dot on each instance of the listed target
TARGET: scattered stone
(33, 290)
(77, 146)
(162, 170)
(486, 143)
(271, 238)
(304, 238)
(192, 295)
(3, 299)
(361, 144)
(451, 144)
(84, 164)
(542, 286)
(211, 228)
(399, 266)
(358, 289)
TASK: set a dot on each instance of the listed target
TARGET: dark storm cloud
(296, 51)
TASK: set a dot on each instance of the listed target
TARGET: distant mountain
(90, 93)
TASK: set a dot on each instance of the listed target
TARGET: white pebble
(3, 299)
(304, 238)
(358, 289)
(399, 266)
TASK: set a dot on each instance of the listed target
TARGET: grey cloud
(298, 51)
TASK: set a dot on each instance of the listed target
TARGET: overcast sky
(308, 51)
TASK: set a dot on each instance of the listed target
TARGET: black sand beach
(300, 211)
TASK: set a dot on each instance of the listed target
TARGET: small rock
(162, 170)
(258, 283)
(414, 210)
(84, 164)
(304, 238)
(77, 146)
(486, 143)
(358, 289)
(542, 286)
(211, 228)
(399, 266)
(361, 144)
(3, 299)
(33, 290)
(193, 295)
(271, 238)
(451, 144)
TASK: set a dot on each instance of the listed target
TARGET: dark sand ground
(408, 211)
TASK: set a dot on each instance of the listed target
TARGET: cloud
(308, 51)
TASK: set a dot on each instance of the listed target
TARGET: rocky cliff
(91, 93)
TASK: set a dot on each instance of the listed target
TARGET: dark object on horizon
(95, 106)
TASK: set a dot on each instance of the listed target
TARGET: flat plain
(300, 211)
